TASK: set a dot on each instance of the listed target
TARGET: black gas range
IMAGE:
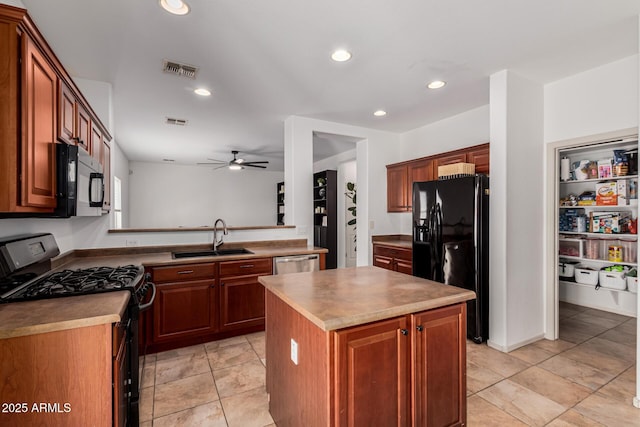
(26, 274)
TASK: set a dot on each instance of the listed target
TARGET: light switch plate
(294, 351)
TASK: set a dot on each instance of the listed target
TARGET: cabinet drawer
(184, 272)
(245, 267)
(392, 252)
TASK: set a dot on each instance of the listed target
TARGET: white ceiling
(267, 60)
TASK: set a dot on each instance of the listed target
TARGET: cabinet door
(397, 189)
(439, 350)
(83, 128)
(120, 389)
(106, 168)
(66, 115)
(95, 141)
(38, 149)
(241, 302)
(372, 380)
(419, 171)
(383, 262)
(184, 309)
(480, 157)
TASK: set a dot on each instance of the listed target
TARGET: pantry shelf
(601, 208)
(596, 261)
(624, 236)
(572, 282)
(613, 178)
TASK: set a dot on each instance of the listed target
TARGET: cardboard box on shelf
(606, 194)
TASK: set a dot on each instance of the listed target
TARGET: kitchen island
(365, 346)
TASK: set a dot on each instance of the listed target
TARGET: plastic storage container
(592, 248)
(613, 280)
(571, 247)
(632, 284)
(585, 276)
(629, 250)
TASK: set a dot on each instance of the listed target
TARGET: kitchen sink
(219, 252)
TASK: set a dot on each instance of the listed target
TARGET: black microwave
(80, 183)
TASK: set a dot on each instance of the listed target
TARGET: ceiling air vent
(176, 122)
(173, 67)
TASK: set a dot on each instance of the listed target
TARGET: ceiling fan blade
(249, 163)
(255, 166)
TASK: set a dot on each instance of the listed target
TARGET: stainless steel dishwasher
(296, 263)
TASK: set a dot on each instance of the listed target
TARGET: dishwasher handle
(297, 258)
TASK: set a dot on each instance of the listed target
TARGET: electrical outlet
(131, 242)
(294, 351)
(371, 225)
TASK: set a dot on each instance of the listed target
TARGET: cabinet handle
(185, 272)
(247, 266)
(404, 331)
(221, 284)
(213, 286)
(419, 328)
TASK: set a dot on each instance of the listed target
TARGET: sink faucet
(217, 242)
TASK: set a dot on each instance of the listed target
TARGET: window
(117, 202)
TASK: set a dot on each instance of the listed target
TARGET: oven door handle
(153, 297)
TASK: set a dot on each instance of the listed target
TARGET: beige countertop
(58, 314)
(48, 315)
(335, 299)
(398, 240)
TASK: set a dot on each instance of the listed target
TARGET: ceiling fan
(235, 164)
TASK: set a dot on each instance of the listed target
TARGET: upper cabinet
(41, 106)
(401, 176)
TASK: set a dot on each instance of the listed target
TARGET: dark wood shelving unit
(325, 219)
(280, 203)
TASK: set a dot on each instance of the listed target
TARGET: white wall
(373, 152)
(595, 101)
(166, 195)
(459, 131)
(16, 3)
(516, 290)
(120, 169)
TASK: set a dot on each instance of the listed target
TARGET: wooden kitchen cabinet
(72, 367)
(401, 176)
(186, 302)
(405, 371)
(38, 101)
(439, 354)
(120, 375)
(372, 381)
(38, 169)
(241, 295)
(393, 258)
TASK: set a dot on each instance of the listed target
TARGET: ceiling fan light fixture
(235, 167)
(380, 113)
(436, 84)
(341, 55)
(176, 7)
(202, 92)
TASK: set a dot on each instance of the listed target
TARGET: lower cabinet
(241, 295)
(186, 304)
(120, 377)
(404, 371)
(202, 302)
(392, 258)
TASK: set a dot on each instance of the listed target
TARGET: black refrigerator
(451, 241)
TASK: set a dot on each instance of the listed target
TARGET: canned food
(615, 253)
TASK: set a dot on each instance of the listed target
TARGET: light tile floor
(586, 378)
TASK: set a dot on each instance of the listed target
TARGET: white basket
(632, 284)
(613, 280)
(567, 268)
(586, 277)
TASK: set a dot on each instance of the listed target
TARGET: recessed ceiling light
(177, 7)
(341, 55)
(436, 84)
(380, 113)
(235, 167)
(202, 92)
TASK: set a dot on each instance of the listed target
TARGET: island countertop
(340, 298)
